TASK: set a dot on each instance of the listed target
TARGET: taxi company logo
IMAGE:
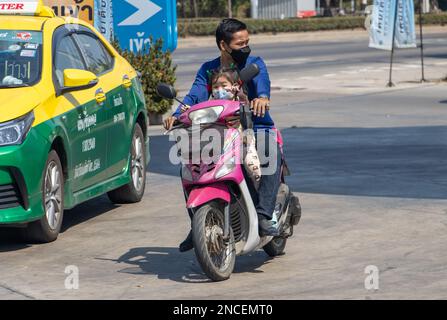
(12, 6)
(24, 36)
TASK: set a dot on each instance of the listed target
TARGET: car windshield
(20, 58)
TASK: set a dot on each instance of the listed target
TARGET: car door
(86, 122)
(120, 102)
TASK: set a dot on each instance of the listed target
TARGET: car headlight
(207, 115)
(14, 132)
(226, 168)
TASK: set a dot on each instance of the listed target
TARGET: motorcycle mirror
(166, 91)
(249, 72)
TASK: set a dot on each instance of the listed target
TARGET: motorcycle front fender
(204, 194)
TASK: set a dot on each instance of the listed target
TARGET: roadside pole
(422, 42)
(390, 81)
(254, 9)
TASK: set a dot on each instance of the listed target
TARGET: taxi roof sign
(21, 7)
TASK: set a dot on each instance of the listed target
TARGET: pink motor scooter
(224, 218)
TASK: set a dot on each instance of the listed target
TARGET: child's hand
(185, 108)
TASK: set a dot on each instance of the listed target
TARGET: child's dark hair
(230, 74)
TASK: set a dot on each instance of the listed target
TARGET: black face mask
(240, 56)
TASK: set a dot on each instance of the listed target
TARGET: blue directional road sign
(135, 21)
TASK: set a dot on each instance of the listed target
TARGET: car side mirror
(249, 72)
(166, 91)
(75, 80)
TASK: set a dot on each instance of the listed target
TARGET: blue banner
(137, 21)
(405, 25)
(382, 24)
(104, 18)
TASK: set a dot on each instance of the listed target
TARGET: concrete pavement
(370, 170)
(327, 63)
(371, 175)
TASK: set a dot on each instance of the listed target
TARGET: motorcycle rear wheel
(275, 247)
(215, 255)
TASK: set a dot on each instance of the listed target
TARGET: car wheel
(48, 227)
(133, 191)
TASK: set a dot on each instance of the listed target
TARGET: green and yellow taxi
(73, 120)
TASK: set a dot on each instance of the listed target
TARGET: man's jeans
(265, 200)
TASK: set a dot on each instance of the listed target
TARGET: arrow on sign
(146, 9)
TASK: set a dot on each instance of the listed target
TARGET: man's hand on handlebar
(169, 122)
(184, 108)
(259, 106)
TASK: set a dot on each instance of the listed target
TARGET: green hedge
(207, 26)
(155, 66)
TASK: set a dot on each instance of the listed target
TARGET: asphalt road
(293, 59)
(371, 172)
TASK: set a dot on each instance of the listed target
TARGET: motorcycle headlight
(207, 115)
(14, 132)
(226, 168)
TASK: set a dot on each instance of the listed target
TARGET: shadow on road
(13, 239)
(436, 55)
(169, 263)
(87, 211)
(403, 162)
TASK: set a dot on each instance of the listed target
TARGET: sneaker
(267, 227)
(187, 244)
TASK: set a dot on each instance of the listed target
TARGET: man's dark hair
(227, 28)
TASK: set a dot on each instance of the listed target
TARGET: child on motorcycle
(225, 84)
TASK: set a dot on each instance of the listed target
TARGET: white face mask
(222, 94)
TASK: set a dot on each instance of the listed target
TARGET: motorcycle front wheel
(216, 255)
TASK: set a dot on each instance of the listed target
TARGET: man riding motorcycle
(232, 39)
